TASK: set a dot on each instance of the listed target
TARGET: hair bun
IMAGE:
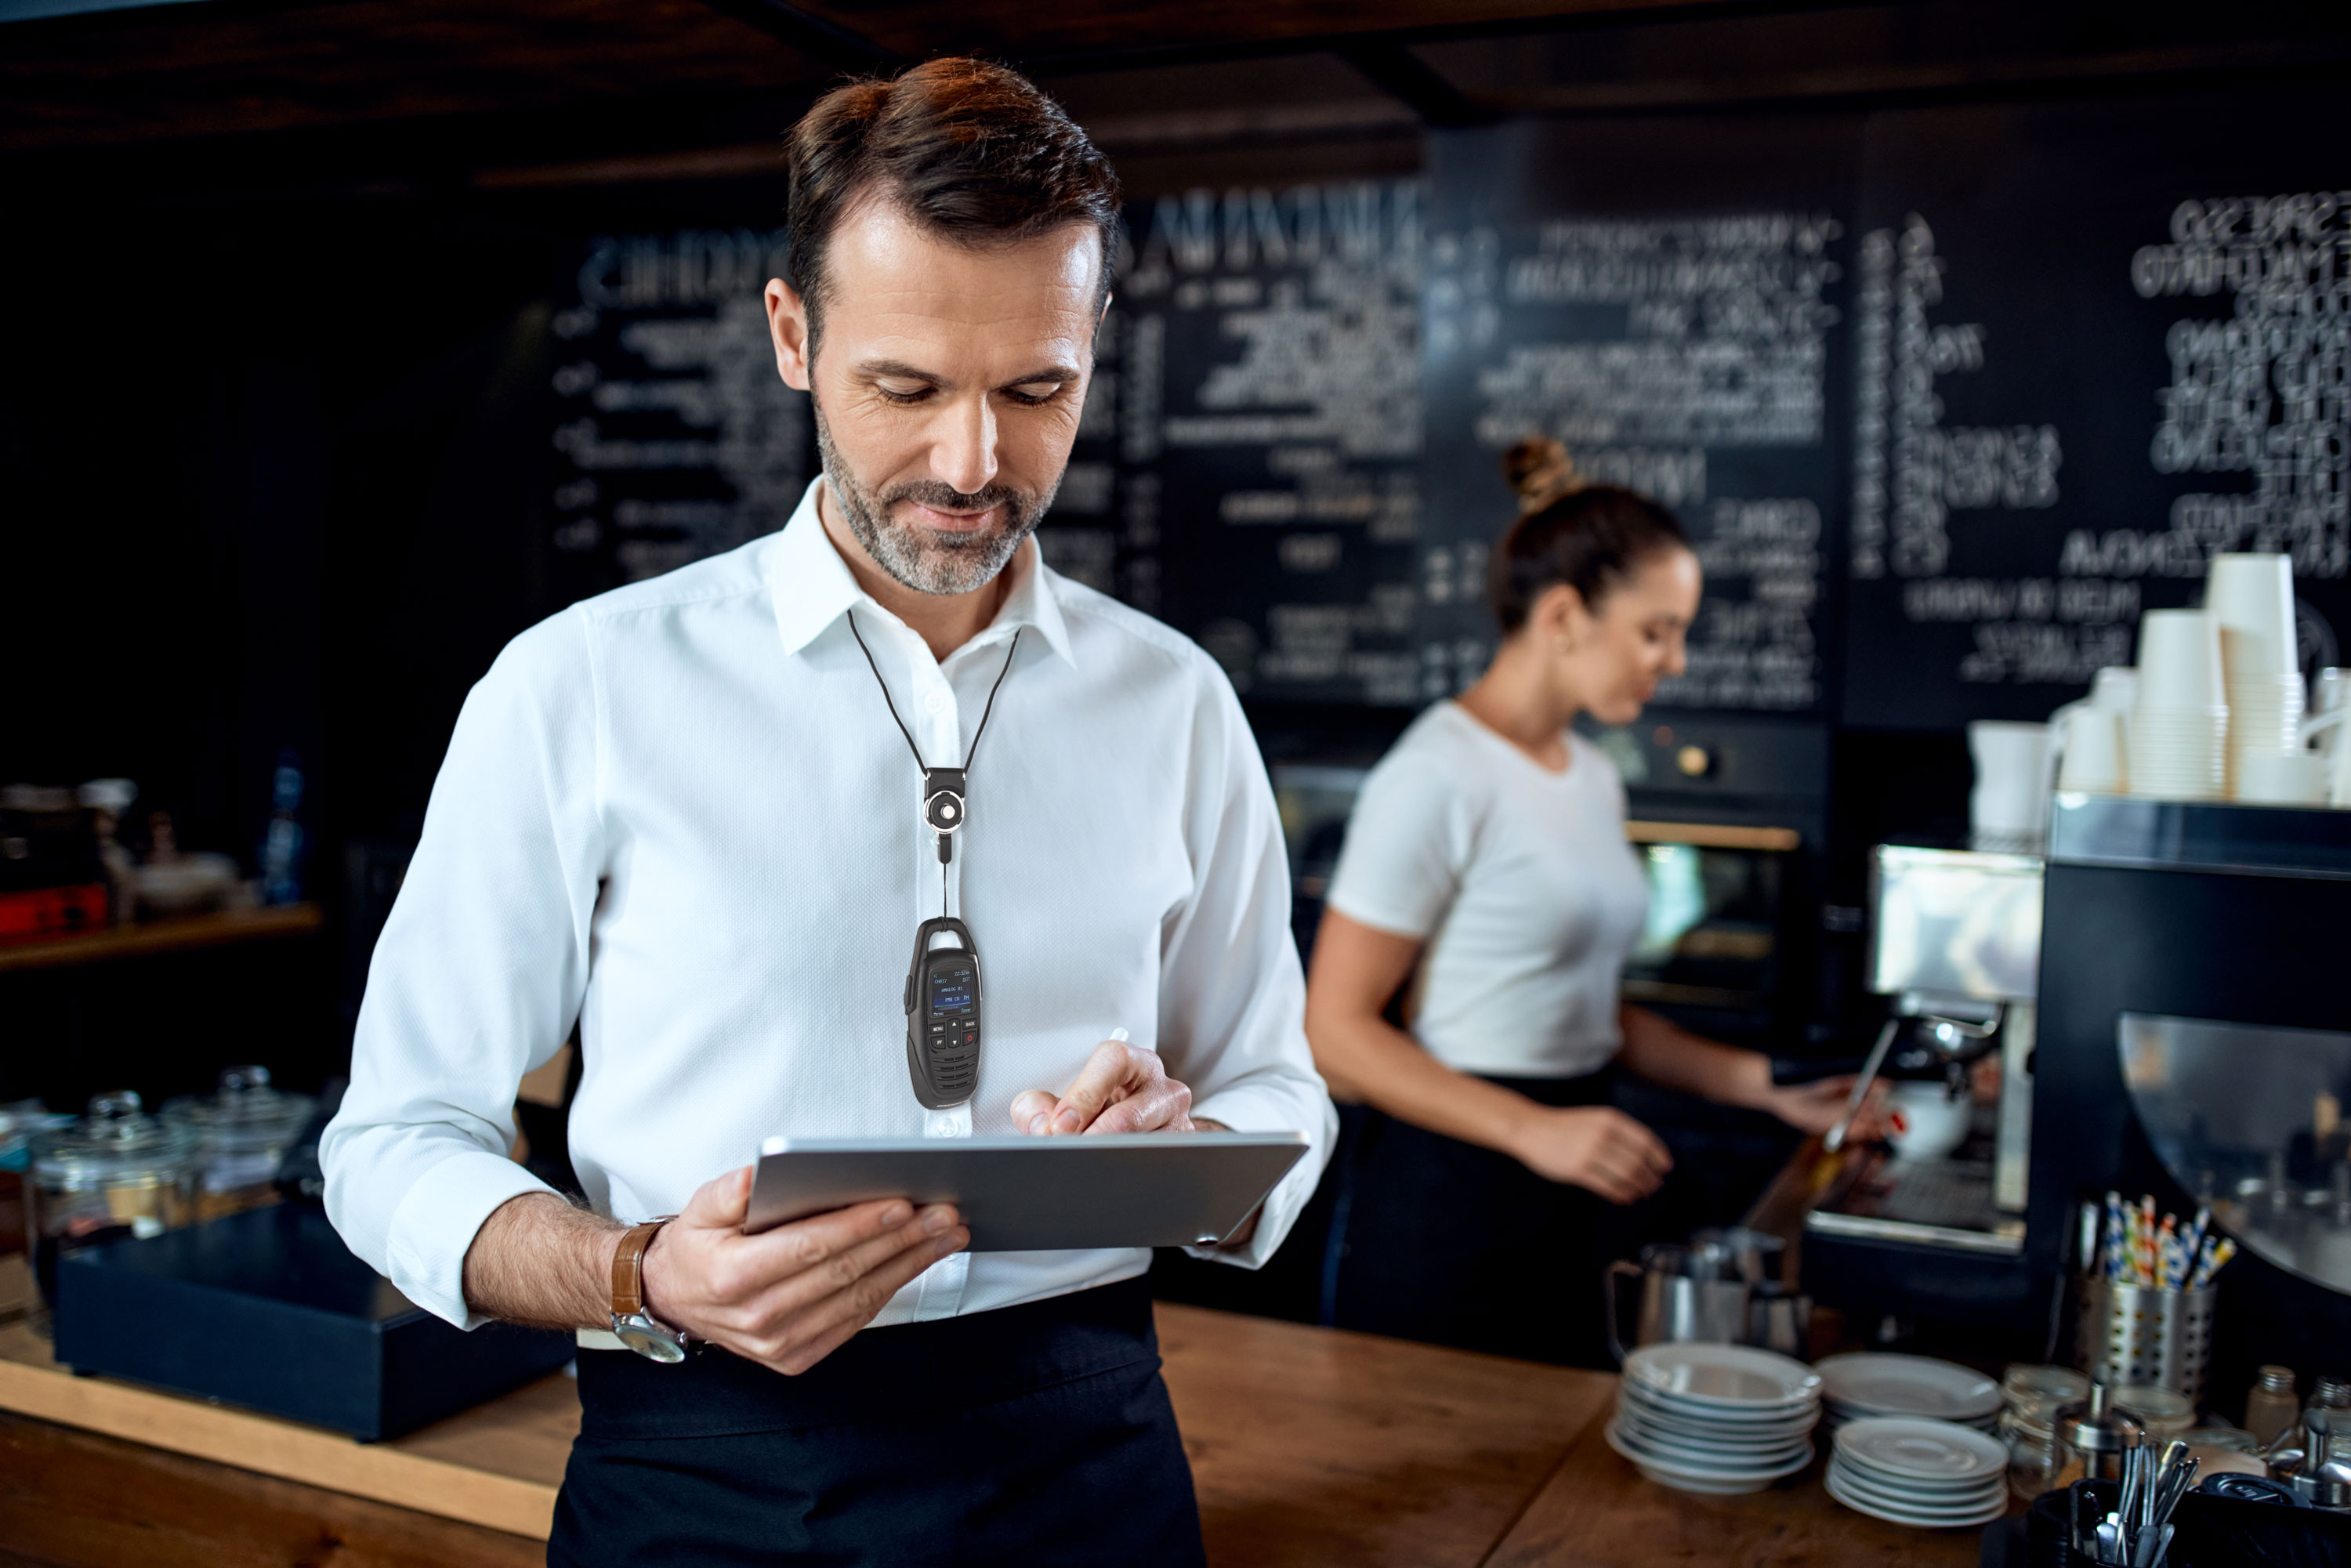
(1541, 471)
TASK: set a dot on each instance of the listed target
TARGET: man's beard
(931, 560)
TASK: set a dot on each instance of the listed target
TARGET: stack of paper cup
(2179, 722)
(2097, 762)
(2091, 737)
(2251, 598)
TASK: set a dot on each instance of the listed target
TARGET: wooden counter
(1309, 1447)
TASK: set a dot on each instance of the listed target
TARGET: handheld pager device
(942, 1030)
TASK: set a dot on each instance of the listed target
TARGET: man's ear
(787, 324)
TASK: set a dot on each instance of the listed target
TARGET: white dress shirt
(680, 814)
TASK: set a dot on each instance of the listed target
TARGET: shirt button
(935, 703)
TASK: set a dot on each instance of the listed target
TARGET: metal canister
(116, 1173)
(2095, 1435)
(243, 1129)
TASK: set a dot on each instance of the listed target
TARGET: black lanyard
(943, 987)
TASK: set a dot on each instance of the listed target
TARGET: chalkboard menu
(1947, 397)
(2093, 344)
(1663, 298)
(674, 438)
(1268, 443)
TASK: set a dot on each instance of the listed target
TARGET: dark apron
(1453, 1243)
(1036, 1434)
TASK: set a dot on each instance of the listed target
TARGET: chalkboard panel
(1271, 362)
(2093, 344)
(1662, 296)
(674, 438)
(1247, 466)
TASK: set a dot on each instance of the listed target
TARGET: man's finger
(830, 1323)
(805, 1243)
(1161, 1103)
(1032, 1110)
(801, 1291)
(721, 1203)
(1108, 1070)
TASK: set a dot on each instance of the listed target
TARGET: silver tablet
(1035, 1195)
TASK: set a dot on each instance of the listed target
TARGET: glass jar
(2162, 1414)
(2031, 1397)
(117, 1173)
(242, 1131)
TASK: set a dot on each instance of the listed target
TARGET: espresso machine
(2196, 1045)
(1955, 948)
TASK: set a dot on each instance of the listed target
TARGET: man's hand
(1122, 1089)
(1594, 1147)
(789, 1296)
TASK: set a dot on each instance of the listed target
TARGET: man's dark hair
(970, 151)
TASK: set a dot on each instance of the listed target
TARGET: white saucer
(1731, 1378)
(1929, 1452)
(1910, 1495)
(1713, 1456)
(1696, 1421)
(1701, 1476)
(1877, 1384)
(1855, 1502)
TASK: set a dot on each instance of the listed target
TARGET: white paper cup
(2282, 778)
(2251, 597)
(2116, 688)
(2095, 761)
(2179, 662)
(2011, 798)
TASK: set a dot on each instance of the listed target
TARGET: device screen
(951, 990)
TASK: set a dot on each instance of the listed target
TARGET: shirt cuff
(1248, 1109)
(438, 1221)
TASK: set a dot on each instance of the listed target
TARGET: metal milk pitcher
(1680, 1302)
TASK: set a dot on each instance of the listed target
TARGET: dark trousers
(1037, 1433)
(1446, 1241)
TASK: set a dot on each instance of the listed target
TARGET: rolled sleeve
(1232, 1016)
(478, 976)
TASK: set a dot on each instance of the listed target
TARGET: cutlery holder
(2137, 1335)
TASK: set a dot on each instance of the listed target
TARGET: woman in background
(1487, 851)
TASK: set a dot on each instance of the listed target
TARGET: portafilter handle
(1836, 1134)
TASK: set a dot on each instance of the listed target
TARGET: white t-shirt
(1518, 878)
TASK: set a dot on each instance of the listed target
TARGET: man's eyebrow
(899, 370)
(1049, 374)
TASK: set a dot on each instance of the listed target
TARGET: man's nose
(1677, 657)
(963, 450)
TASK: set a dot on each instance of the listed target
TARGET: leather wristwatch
(632, 1324)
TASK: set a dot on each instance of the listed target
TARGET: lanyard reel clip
(944, 807)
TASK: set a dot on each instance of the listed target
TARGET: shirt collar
(812, 587)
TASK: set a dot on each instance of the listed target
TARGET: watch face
(645, 1342)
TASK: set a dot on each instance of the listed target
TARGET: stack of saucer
(1717, 1419)
(2180, 717)
(1932, 1474)
(1857, 1386)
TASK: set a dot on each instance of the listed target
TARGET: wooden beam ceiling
(168, 72)
(184, 71)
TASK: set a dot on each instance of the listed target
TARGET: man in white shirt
(685, 816)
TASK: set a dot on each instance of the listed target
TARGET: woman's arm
(1671, 1056)
(1362, 1056)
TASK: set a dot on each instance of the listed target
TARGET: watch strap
(628, 1267)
